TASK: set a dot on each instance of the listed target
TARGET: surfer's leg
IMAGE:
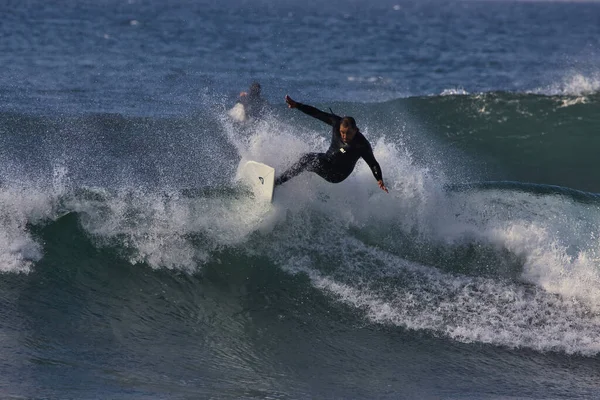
(317, 163)
(308, 162)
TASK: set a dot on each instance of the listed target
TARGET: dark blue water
(156, 57)
(132, 264)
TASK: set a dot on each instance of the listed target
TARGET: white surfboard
(261, 178)
(238, 112)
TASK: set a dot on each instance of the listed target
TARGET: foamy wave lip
(18, 250)
(465, 309)
(166, 230)
(23, 202)
(18, 254)
(454, 92)
(573, 85)
(369, 79)
(551, 306)
(553, 238)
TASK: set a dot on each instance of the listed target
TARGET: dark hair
(348, 122)
(255, 88)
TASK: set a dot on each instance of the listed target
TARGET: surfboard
(261, 179)
(238, 112)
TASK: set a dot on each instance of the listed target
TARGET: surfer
(254, 104)
(347, 146)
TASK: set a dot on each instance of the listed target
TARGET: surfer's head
(348, 129)
(254, 89)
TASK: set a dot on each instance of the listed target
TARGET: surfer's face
(347, 133)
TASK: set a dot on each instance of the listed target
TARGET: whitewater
(134, 264)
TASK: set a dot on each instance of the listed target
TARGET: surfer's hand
(382, 186)
(243, 94)
(291, 103)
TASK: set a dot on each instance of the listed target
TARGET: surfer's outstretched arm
(369, 158)
(330, 119)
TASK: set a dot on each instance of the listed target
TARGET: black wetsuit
(338, 162)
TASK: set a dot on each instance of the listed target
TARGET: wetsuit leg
(307, 162)
(313, 162)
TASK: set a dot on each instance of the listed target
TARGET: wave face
(133, 264)
(501, 262)
(523, 137)
(118, 233)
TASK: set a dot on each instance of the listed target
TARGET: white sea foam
(553, 235)
(573, 84)
(19, 250)
(170, 230)
(388, 289)
(454, 92)
(351, 240)
(334, 234)
(22, 204)
(369, 79)
(467, 309)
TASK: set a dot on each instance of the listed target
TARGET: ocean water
(134, 266)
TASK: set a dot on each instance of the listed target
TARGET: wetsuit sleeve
(367, 155)
(330, 119)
